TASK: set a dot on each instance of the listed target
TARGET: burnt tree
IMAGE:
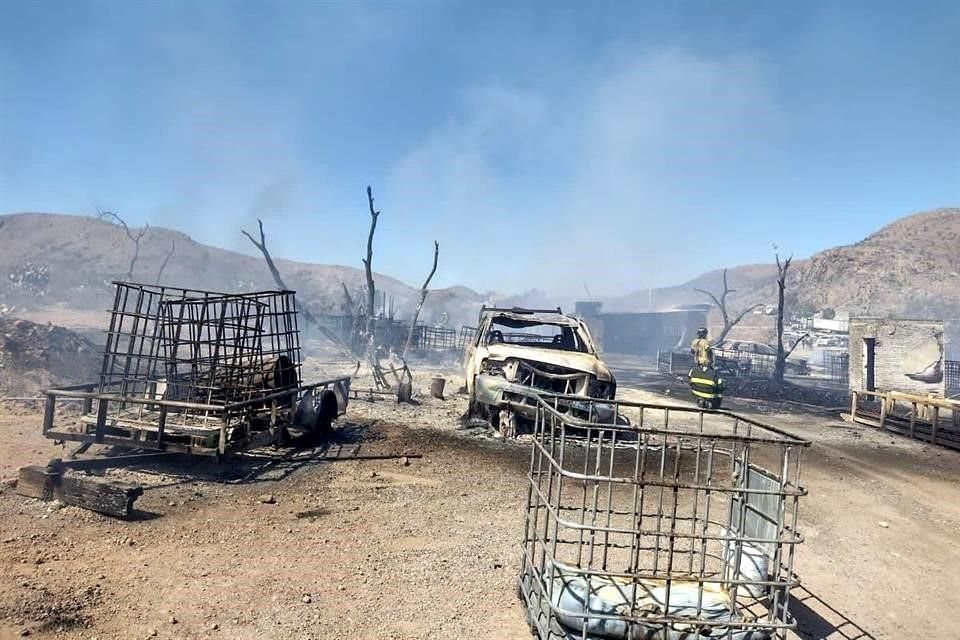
(373, 349)
(262, 246)
(781, 361)
(423, 298)
(721, 304)
(368, 268)
(173, 247)
(303, 311)
(134, 238)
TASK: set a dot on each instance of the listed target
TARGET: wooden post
(88, 402)
(934, 423)
(48, 412)
(224, 422)
(101, 420)
(913, 419)
(883, 412)
(853, 404)
(161, 425)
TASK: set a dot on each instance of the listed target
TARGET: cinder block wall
(903, 347)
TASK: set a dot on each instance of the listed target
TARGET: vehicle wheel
(326, 413)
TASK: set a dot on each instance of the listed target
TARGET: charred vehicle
(517, 354)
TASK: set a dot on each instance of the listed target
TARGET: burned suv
(518, 353)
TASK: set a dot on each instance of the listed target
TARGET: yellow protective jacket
(702, 353)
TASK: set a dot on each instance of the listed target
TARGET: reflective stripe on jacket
(705, 383)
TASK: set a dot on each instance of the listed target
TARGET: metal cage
(198, 371)
(667, 523)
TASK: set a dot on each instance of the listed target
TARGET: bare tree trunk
(721, 304)
(373, 351)
(135, 239)
(310, 319)
(348, 300)
(368, 267)
(781, 361)
(173, 247)
(423, 298)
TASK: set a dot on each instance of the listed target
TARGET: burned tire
(327, 411)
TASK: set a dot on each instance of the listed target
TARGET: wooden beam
(37, 482)
(99, 494)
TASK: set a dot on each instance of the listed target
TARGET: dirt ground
(285, 546)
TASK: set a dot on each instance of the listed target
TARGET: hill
(909, 268)
(51, 261)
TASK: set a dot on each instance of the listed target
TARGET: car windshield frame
(506, 330)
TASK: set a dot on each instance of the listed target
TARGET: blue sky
(543, 144)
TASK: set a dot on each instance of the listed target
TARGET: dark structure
(642, 333)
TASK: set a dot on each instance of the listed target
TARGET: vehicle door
(471, 358)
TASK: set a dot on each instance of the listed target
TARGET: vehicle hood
(570, 359)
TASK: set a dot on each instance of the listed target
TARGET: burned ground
(285, 546)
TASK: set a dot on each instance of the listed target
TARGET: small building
(839, 323)
(896, 355)
(642, 333)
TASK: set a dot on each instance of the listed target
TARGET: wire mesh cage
(667, 523)
(200, 346)
(199, 371)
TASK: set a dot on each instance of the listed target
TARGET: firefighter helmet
(702, 332)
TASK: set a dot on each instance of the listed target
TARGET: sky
(550, 145)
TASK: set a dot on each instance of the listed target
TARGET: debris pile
(768, 389)
(34, 356)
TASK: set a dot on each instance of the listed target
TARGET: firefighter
(705, 383)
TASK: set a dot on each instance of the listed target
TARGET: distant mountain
(80, 256)
(910, 268)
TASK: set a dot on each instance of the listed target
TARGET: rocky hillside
(910, 268)
(57, 261)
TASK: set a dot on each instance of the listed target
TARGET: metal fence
(742, 363)
(951, 376)
(434, 338)
(837, 366)
(674, 362)
(466, 335)
(660, 524)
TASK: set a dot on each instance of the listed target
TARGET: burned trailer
(516, 354)
(197, 372)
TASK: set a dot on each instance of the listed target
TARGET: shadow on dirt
(267, 464)
(817, 620)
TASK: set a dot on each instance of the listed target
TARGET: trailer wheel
(326, 412)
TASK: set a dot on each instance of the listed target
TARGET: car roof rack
(520, 309)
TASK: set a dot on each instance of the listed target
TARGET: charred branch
(721, 304)
(347, 300)
(134, 238)
(373, 349)
(794, 346)
(278, 279)
(423, 298)
(368, 265)
(780, 363)
(173, 247)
